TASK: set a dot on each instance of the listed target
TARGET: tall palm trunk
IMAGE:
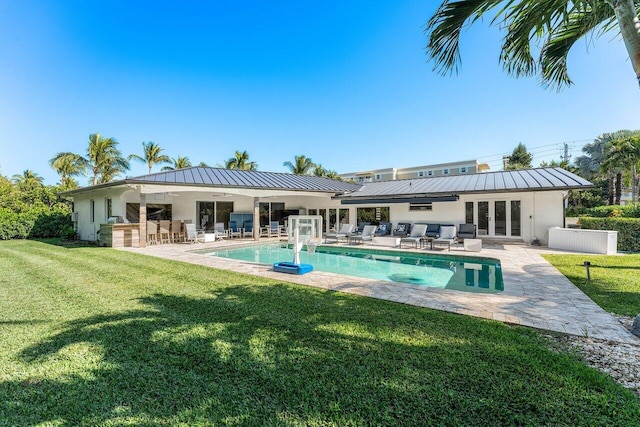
(618, 187)
(630, 30)
(611, 190)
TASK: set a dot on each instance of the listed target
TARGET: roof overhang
(145, 187)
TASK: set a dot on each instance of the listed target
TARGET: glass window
(515, 218)
(155, 212)
(483, 218)
(92, 210)
(445, 171)
(109, 208)
(373, 215)
(463, 169)
(223, 212)
(468, 212)
(501, 218)
(421, 173)
(205, 216)
(430, 173)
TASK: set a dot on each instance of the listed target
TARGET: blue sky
(345, 83)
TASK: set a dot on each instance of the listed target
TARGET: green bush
(37, 221)
(14, 225)
(628, 230)
(627, 211)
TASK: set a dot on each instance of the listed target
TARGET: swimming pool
(463, 273)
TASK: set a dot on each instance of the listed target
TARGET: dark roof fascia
(409, 197)
(371, 200)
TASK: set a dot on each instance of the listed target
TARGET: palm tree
(612, 164)
(68, 165)
(28, 177)
(331, 174)
(181, 162)
(203, 165)
(104, 158)
(555, 25)
(625, 152)
(301, 165)
(151, 155)
(240, 160)
(318, 170)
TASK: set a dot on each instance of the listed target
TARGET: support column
(143, 220)
(256, 218)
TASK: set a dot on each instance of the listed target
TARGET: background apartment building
(427, 171)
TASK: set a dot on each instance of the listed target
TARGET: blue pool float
(292, 268)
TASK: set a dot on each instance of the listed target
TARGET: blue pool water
(462, 273)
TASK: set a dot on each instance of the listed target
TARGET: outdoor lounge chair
(417, 233)
(367, 235)
(343, 233)
(433, 231)
(447, 236)
(402, 229)
(361, 227)
(466, 231)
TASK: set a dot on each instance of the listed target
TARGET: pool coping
(536, 294)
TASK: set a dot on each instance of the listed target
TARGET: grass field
(615, 280)
(95, 336)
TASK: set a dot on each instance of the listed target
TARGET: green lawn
(615, 280)
(94, 336)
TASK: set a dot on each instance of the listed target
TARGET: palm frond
(554, 53)
(445, 26)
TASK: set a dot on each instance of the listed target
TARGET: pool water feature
(463, 273)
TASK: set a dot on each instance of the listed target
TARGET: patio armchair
(447, 237)
(367, 235)
(248, 228)
(343, 233)
(234, 230)
(402, 229)
(220, 231)
(192, 235)
(384, 228)
(418, 232)
(466, 231)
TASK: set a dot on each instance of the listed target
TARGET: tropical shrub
(628, 230)
(30, 209)
(627, 211)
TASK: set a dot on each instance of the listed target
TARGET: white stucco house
(512, 205)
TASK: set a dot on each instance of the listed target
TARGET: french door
(498, 218)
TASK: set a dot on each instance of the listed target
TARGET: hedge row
(628, 230)
(35, 222)
(627, 211)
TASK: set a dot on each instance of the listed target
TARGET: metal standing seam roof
(539, 179)
(219, 177)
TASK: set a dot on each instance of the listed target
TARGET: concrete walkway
(535, 295)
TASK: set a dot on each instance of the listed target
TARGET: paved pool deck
(536, 294)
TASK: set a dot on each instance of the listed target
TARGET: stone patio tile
(535, 293)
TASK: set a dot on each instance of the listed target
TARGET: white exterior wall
(539, 210)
